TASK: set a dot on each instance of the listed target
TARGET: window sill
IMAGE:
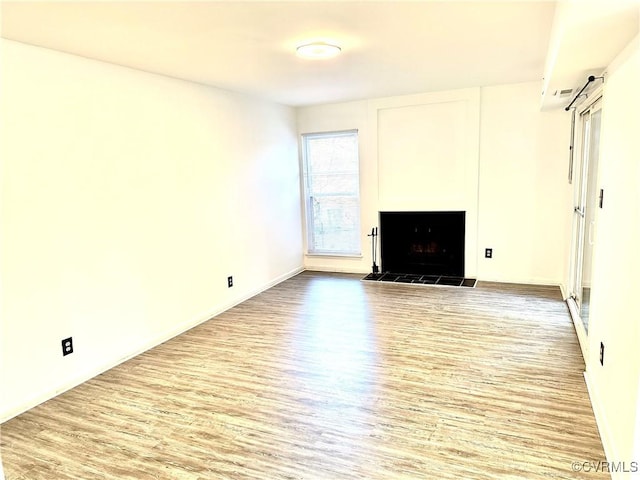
(336, 255)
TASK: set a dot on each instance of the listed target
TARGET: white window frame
(308, 197)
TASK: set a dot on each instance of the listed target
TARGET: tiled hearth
(422, 279)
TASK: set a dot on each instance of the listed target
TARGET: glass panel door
(590, 209)
(586, 198)
(578, 211)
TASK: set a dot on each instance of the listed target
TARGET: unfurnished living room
(320, 240)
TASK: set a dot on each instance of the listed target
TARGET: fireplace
(422, 243)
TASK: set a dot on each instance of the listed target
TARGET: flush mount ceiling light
(318, 50)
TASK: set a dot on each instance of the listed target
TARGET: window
(332, 192)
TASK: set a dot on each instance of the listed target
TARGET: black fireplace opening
(422, 243)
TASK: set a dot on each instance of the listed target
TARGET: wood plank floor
(328, 377)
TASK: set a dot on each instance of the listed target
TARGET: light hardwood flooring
(328, 377)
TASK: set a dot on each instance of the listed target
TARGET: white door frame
(581, 177)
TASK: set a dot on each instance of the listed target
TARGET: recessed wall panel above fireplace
(426, 243)
(427, 152)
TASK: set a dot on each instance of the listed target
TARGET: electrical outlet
(488, 253)
(67, 346)
(602, 354)
(230, 281)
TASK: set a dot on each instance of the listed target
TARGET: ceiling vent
(563, 93)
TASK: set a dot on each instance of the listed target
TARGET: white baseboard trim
(604, 429)
(581, 333)
(522, 281)
(564, 292)
(79, 379)
(336, 270)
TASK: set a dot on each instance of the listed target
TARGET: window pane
(332, 189)
(333, 154)
(336, 224)
(334, 184)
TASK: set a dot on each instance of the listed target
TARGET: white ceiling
(585, 38)
(389, 48)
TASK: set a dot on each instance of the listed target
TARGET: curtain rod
(589, 80)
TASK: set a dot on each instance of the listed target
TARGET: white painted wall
(500, 148)
(524, 158)
(127, 200)
(614, 309)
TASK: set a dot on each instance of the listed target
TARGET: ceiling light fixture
(318, 50)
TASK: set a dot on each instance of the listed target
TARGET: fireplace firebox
(422, 243)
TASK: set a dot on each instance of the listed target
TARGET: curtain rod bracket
(589, 80)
